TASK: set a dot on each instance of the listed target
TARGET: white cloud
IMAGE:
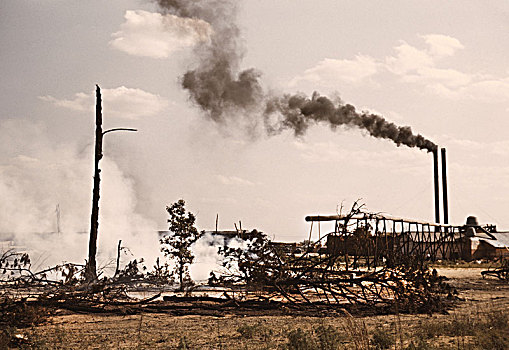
(422, 67)
(81, 101)
(121, 102)
(487, 91)
(408, 59)
(419, 66)
(26, 159)
(492, 90)
(442, 45)
(430, 75)
(154, 35)
(334, 70)
(234, 180)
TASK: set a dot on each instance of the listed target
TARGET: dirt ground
(163, 331)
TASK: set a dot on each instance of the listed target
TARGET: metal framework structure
(373, 238)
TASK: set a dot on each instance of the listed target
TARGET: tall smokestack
(444, 188)
(437, 194)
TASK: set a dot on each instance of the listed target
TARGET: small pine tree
(177, 245)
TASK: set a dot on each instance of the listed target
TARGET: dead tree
(91, 267)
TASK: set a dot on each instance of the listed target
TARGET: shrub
(321, 337)
(247, 331)
(256, 330)
(493, 340)
(461, 325)
(300, 340)
(382, 339)
(328, 337)
(419, 344)
(15, 315)
(497, 319)
(429, 329)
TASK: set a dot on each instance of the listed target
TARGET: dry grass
(481, 322)
(480, 330)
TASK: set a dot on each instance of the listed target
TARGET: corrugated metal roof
(483, 235)
(502, 240)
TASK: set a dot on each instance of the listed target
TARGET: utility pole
(57, 210)
(91, 267)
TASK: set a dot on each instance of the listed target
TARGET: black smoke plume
(223, 91)
(216, 85)
(298, 112)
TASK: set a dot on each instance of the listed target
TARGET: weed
(419, 344)
(382, 339)
(492, 332)
(429, 329)
(328, 337)
(21, 314)
(497, 319)
(139, 331)
(6, 335)
(256, 330)
(17, 315)
(247, 331)
(493, 340)
(357, 332)
(300, 340)
(182, 344)
(488, 330)
(322, 337)
(461, 325)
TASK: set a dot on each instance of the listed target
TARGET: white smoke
(38, 173)
(207, 259)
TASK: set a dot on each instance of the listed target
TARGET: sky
(439, 67)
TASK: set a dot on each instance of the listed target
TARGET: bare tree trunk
(91, 269)
(117, 268)
(181, 275)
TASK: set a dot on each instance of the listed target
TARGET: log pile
(501, 272)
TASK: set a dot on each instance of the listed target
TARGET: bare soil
(233, 331)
